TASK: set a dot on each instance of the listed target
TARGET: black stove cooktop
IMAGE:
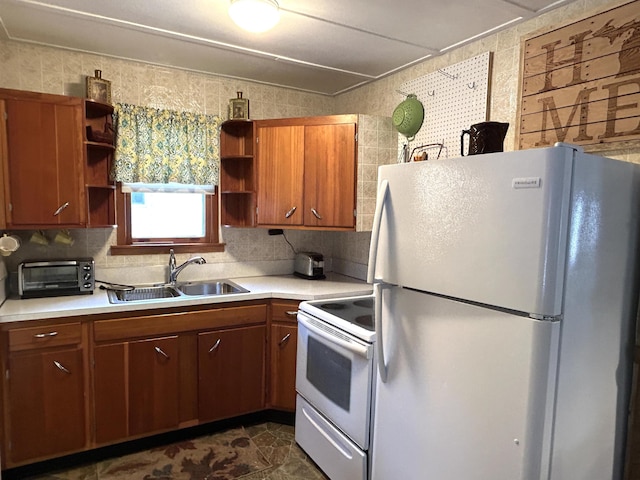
(357, 311)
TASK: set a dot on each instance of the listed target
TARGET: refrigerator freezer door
(467, 394)
(489, 228)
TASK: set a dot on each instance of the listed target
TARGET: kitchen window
(149, 222)
(167, 167)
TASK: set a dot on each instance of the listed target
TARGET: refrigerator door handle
(383, 192)
(378, 289)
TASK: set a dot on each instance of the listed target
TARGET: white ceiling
(322, 46)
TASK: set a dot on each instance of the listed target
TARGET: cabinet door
(231, 372)
(280, 175)
(45, 163)
(283, 348)
(46, 404)
(136, 388)
(330, 175)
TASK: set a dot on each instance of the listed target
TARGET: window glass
(167, 215)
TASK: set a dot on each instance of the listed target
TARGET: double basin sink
(181, 289)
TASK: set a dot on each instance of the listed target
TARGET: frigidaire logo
(529, 182)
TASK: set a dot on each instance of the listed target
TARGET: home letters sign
(581, 83)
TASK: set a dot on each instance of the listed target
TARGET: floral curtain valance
(165, 146)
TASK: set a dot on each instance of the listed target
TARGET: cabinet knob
(61, 367)
(60, 209)
(215, 345)
(290, 212)
(316, 214)
(284, 339)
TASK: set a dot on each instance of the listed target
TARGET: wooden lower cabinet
(72, 385)
(162, 372)
(283, 343)
(45, 381)
(136, 388)
(231, 372)
(46, 399)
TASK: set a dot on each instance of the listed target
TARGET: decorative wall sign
(580, 83)
(454, 98)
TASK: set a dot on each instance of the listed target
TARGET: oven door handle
(346, 343)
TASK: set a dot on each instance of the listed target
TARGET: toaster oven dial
(87, 276)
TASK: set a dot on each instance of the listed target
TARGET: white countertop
(280, 286)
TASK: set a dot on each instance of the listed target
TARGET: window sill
(150, 249)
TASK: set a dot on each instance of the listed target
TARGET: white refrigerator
(506, 296)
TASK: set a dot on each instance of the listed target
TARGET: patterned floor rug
(224, 456)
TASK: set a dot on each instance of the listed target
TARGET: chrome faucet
(175, 271)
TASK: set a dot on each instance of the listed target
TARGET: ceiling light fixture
(255, 15)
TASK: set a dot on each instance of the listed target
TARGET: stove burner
(365, 321)
(365, 302)
(333, 306)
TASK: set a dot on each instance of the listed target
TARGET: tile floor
(277, 444)
(274, 440)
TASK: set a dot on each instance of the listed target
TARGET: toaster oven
(51, 278)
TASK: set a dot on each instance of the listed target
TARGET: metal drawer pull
(215, 345)
(61, 367)
(317, 215)
(290, 212)
(159, 350)
(292, 313)
(284, 339)
(45, 335)
(61, 208)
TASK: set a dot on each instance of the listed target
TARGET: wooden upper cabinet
(280, 175)
(307, 172)
(43, 164)
(330, 175)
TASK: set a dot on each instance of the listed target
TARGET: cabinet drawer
(284, 311)
(170, 323)
(45, 336)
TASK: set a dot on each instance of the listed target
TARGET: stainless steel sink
(218, 287)
(203, 288)
(142, 293)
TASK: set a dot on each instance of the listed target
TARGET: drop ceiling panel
(163, 50)
(324, 46)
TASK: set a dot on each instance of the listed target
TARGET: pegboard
(454, 98)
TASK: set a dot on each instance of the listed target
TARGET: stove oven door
(334, 373)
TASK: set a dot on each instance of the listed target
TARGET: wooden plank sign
(581, 82)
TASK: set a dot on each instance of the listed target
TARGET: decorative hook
(431, 93)
(472, 85)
